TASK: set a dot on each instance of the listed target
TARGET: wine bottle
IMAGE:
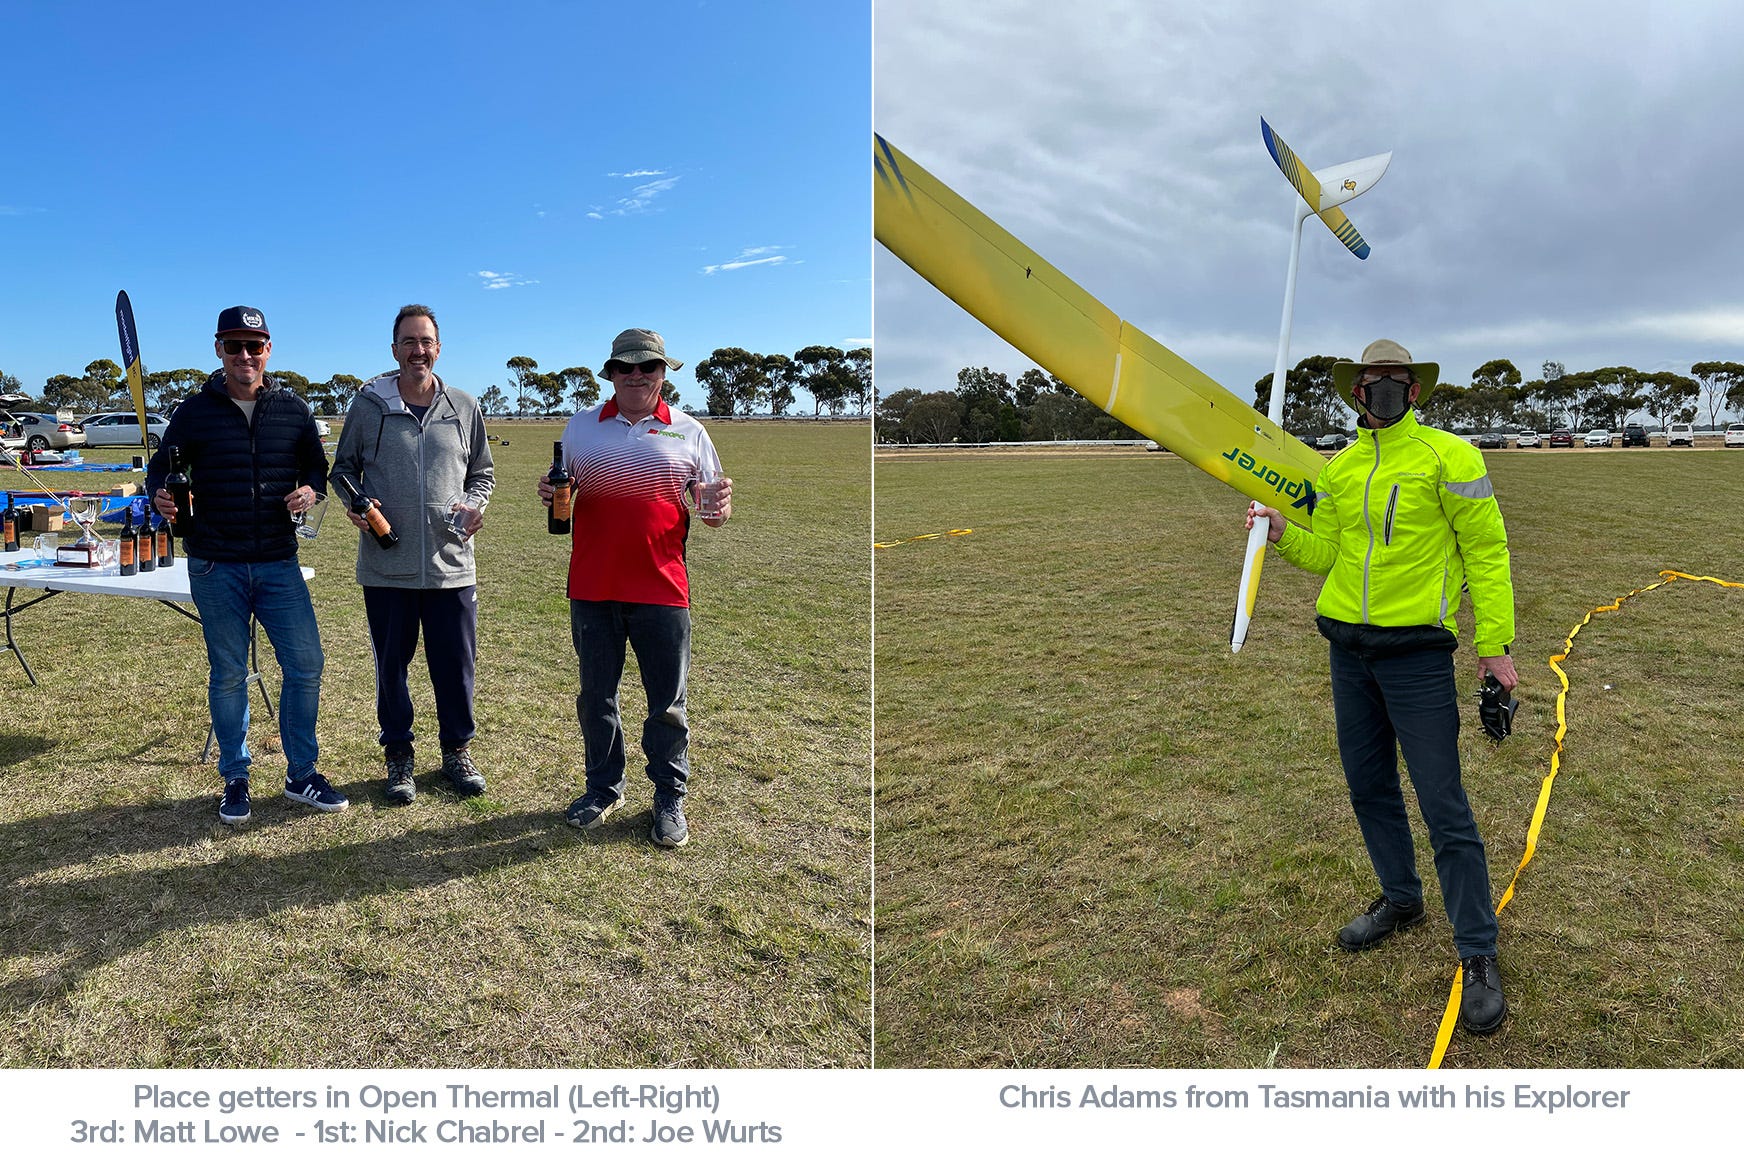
(181, 489)
(166, 545)
(9, 520)
(562, 486)
(372, 516)
(147, 540)
(129, 545)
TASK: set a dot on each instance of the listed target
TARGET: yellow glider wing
(1109, 362)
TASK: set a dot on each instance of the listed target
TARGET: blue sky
(542, 176)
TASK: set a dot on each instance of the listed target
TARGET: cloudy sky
(1563, 187)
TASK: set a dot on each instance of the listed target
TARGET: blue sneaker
(233, 808)
(316, 792)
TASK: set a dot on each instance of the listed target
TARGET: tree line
(988, 405)
(738, 382)
(1499, 397)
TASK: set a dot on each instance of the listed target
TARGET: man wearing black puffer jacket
(251, 450)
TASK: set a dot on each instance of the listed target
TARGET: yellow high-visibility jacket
(1405, 518)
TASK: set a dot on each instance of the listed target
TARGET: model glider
(1320, 192)
(1111, 363)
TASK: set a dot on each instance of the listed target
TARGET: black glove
(1496, 708)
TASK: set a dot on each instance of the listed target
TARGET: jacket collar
(385, 388)
(662, 410)
(1406, 426)
(217, 385)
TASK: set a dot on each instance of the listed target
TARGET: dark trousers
(660, 635)
(449, 620)
(1410, 702)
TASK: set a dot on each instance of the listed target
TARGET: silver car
(122, 428)
(1597, 439)
(42, 431)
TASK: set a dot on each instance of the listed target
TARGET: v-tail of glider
(1321, 193)
(1043, 313)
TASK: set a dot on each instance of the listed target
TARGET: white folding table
(167, 585)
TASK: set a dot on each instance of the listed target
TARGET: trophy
(86, 550)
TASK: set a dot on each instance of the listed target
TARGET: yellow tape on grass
(1450, 1016)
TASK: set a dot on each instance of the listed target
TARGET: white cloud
(755, 255)
(641, 197)
(633, 175)
(503, 281)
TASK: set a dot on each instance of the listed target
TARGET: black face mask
(1385, 398)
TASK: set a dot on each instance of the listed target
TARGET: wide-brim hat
(638, 346)
(1383, 353)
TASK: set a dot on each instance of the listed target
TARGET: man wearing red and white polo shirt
(638, 465)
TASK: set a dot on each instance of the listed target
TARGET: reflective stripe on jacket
(1405, 518)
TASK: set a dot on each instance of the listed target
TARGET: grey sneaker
(462, 776)
(402, 788)
(591, 810)
(669, 831)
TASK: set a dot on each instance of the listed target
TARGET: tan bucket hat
(1384, 353)
(638, 346)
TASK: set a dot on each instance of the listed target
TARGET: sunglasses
(235, 346)
(646, 367)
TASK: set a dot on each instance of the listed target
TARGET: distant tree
(107, 381)
(1311, 403)
(1670, 396)
(1493, 394)
(492, 402)
(827, 375)
(584, 389)
(550, 389)
(888, 413)
(669, 392)
(1610, 394)
(780, 373)
(342, 390)
(293, 381)
(860, 360)
(9, 385)
(735, 379)
(1720, 383)
(520, 366)
(934, 419)
(164, 388)
(984, 393)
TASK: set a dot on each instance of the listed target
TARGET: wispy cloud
(502, 281)
(756, 255)
(641, 197)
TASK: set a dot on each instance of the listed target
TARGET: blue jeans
(1411, 700)
(227, 595)
(660, 635)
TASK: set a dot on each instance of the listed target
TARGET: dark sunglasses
(235, 346)
(646, 367)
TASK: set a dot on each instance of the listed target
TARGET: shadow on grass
(86, 921)
(16, 748)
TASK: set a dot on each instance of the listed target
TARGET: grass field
(1103, 840)
(136, 930)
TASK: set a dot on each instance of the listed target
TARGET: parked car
(1599, 438)
(122, 428)
(1735, 436)
(1332, 440)
(322, 428)
(1562, 438)
(1528, 439)
(1492, 440)
(43, 431)
(1635, 434)
(1680, 434)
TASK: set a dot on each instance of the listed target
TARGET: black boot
(1377, 922)
(1481, 1006)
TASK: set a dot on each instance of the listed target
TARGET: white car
(1597, 439)
(1528, 439)
(1680, 434)
(1735, 436)
(122, 428)
(322, 428)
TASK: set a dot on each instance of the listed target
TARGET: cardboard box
(47, 518)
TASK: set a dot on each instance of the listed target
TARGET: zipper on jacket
(1369, 521)
(1387, 526)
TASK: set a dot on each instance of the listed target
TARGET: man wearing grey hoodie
(416, 449)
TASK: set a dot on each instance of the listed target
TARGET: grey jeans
(660, 635)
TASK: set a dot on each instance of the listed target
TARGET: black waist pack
(1376, 641)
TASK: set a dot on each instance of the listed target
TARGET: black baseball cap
(241, 318)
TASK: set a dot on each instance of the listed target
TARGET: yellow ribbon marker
(917, 538)
(1450, 1016)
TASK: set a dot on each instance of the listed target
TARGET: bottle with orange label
(562, 489)
(129, 545)
(366, 509)
(9, 520)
